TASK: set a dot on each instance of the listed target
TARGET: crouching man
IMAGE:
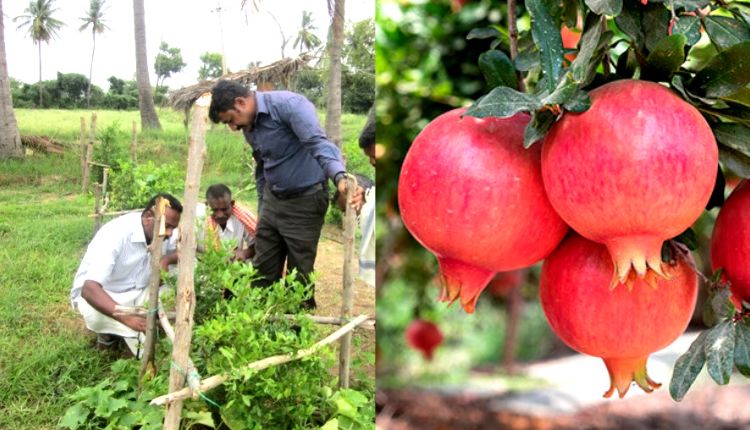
(115, 271)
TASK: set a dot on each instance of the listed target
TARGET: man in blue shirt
(294, 159)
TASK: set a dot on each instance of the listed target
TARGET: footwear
(106, 342)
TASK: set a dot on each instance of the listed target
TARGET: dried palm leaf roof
(280, 72)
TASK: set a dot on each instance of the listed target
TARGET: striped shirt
(117, 257)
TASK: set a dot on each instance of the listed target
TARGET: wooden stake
(157, 242)
(350, 221)
(194, 378)
(216, 380)
(97, 207)
(515, 310)
(134, 144)
(185, 298)
(84, 150)
(89, 154)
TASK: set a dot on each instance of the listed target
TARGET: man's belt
(304, 192)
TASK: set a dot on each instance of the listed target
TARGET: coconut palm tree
(94, 19)
(149, 119)
(41, 27)
(10, 140)
(336, 41)
(306, 39)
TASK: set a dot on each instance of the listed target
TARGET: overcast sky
(191, 25)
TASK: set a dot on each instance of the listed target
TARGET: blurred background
(501, 367)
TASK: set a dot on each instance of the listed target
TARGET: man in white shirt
(115, 271)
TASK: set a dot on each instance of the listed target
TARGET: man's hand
(358, 198)
(136, 322)
(168, 259)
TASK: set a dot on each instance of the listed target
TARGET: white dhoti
(100, 323)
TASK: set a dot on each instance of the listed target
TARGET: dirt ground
(709, 408)
(328, 289)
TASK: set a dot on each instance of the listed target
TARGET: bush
(133, 185)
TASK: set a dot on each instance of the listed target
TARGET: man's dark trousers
(289, 228)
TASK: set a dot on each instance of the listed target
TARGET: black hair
(362, 180)
(223, 95)
(367, 137)
(173, 203)
(217, 191)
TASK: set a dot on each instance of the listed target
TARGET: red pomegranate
(570, 38)
(620, 325)
(472, 195)
(636, 169)
(504, 282)
(424, 336)
(730, 241)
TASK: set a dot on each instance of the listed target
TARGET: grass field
(44, 230)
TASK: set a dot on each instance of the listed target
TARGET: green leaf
(742, 348)
(199, 417)
(538, 127)
(584, 62)
(726, 32)
(483, 33)
(332, 424)
(688, 238)
(734, 136)
(74, 416)
(741, 97)
(687, 367)
(605, 7)
(564, 92)
(741, 12)
(497, 69)
(655, 24)
(579, 102)
(666, 57)
(503, 102)
(690, 27)
(629, 22)
(721, 304)
(546, 33)
(725, 74)
(735, 161)
(690, 5)
(719, 349)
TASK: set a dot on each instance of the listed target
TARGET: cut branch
(216, 380)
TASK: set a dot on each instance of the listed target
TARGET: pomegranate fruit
(730, 241)
(620, 325)
(472, 195)
(635, 169)
(504, 282)
(424, 336)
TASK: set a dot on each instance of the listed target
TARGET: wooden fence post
(157, 241)
(89, 154)
(185, 298)
(350, 221)
(134, 144)
(84, 150)
(97, 207)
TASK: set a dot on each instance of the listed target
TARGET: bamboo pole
(89, 154)
(84, 150)
(134, 144)
(185, 298)
(193, 378)
(216, 380)
(350, 220)
(368, 325)
(157, 242)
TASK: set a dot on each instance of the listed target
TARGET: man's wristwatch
(338, 176)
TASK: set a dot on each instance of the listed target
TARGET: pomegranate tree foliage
(698, 48)
(660, 41)
(228, 335)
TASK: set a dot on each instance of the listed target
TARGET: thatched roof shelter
(275, 74)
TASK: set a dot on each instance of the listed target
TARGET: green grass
(45, 351)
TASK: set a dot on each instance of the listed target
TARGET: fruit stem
(462, 281)
(623, 371)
